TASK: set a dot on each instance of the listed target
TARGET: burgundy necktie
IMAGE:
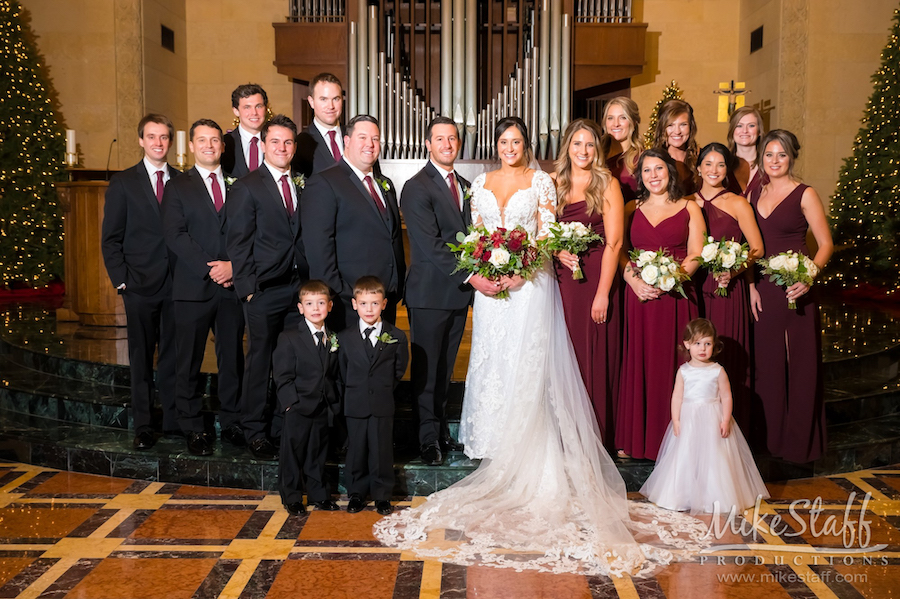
(335, 150)
(159, 186)
(375, 198)
(218, 200)
(451, 180)
(254, 154)
(286, 192)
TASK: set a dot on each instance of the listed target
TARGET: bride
(546, 496)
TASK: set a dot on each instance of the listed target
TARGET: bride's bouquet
(788, 268)
(503, 252)
(723, 256)
(573, 237)
(659, 269)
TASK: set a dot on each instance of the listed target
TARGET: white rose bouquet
(788, 268)
(659, 269)
(503, 252)
(723, 256)
(573, 237)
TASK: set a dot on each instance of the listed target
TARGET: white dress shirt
(313, 330)
(338, 136)
(277, 174)
(151, 171)
(246, 136)
(220, 181)
(362, 176)
(373, 338)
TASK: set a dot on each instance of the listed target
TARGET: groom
(435, 208)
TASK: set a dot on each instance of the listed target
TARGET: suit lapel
(366, 196)
(270, 184)
(323, 145)
(145, 184)
(304, 343)
(239, 150)
(437, 177)
(201, 191)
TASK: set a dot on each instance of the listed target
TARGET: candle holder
(181, 161)
(71, 159)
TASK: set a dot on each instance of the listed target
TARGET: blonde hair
(630, 108)
(736, 117)
(600, 175)
(668, 112)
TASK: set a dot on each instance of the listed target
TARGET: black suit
(305, 379)
(313, 151)
(135, 253)
(369, 379)
(268, 261)
(195, 233)
(437, 300)
(233, 159)
(347, 237)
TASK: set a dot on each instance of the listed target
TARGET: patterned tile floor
(75, 535)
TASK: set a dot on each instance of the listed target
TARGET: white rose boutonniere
(299, 181)
(384, 184)
(333, 340)
(467, 193)
(229, 181)
(386, 338)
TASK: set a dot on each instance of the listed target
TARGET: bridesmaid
(745, 129)
(622, 143)
(787, 343)
(676, 134)
(587, 193)
(729, 216)
(661, 217)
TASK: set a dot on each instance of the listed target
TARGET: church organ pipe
(362, 57)
(446, 59)
(471, 73)
(544, 83)
(555, 68)
(565, 88)
(459, 65)
(351, 70)
(382, 89)
(373, 60)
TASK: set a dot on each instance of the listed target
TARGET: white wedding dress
(547, 496)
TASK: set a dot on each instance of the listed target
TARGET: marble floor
(71, 535)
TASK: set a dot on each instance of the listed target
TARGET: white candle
(180, 142)
(70, 141)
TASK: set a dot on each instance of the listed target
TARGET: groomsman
(321, 144)
(137, 260)
(243, 152)
(353, 223)
(193, 213)
(435, 209)
(268, 266)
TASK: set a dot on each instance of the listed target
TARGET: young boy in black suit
(305, 369)
(372, 359)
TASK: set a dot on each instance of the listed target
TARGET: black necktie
(370, 348)
(320, 335)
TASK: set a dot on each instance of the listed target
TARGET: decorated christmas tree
(672, 91)
(32, 146)
(865, 208)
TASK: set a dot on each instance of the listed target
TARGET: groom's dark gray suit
(437, 299)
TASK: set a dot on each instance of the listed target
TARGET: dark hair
(204, 123)
(314, 287)
(699, 328)
(324, 78)
(440, 120)
(668, 112)
(674, 189)
(360, 118)
(279, 120)
(727, 156)
(368, 284)
(159, 119)
(788, 141)
(514, 121)
(247, 90)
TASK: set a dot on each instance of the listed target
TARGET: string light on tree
(865, 208)
(671, 92)
(32, 144)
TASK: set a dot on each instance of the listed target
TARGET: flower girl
(704, 463)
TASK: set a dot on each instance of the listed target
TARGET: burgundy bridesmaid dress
(597, 346)
(650, 353)
(788, 346)
(730, 315)
(627, 181)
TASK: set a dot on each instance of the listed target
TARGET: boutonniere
(467, 193)
(386, 338)
(299, 181)
(333, 340)
(384, 184)
(229, 181)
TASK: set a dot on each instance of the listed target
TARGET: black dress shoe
(356, 504)
(263, 450)
(326, 504)
(234, 435)
(198, 444)
(431, 454)
(296, 508)
(384, 507)
(451, 444)
(144, 440)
